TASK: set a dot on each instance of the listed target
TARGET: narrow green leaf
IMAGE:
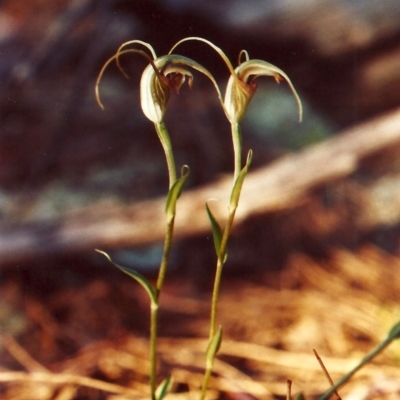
(175, 192)
(395, 332)
(164, 388)
(217, 232)
(239, 182)
(300, 397)
(135, 275)
(213, 347)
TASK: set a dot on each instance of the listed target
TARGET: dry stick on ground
(277, 186)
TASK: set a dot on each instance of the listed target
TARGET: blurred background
(69, 168)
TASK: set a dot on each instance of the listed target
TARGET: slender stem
(218, 273)
(165, 258)
(206, 379)
(166, 143)
(237, 149)
(169, 155)
(153, 348)
(364, 361)
(214, 301)
(154, 307)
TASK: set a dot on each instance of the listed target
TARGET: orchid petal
(239, 91)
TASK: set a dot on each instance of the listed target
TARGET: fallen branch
(277, 186)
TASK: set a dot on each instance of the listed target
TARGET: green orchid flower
(241, 86)
(163, 75)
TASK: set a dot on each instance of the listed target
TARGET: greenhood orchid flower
(241, 88)
(241, 84)
(160, 78)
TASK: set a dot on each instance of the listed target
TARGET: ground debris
(79, 343)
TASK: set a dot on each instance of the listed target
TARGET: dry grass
(75, 344)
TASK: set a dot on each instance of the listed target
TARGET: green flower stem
(154, 308)
(214, 301)
(381, 346)
(166, 144)
(218, 273)
(153, 348)
(237, 149)
(206, 379)
(165, 258)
